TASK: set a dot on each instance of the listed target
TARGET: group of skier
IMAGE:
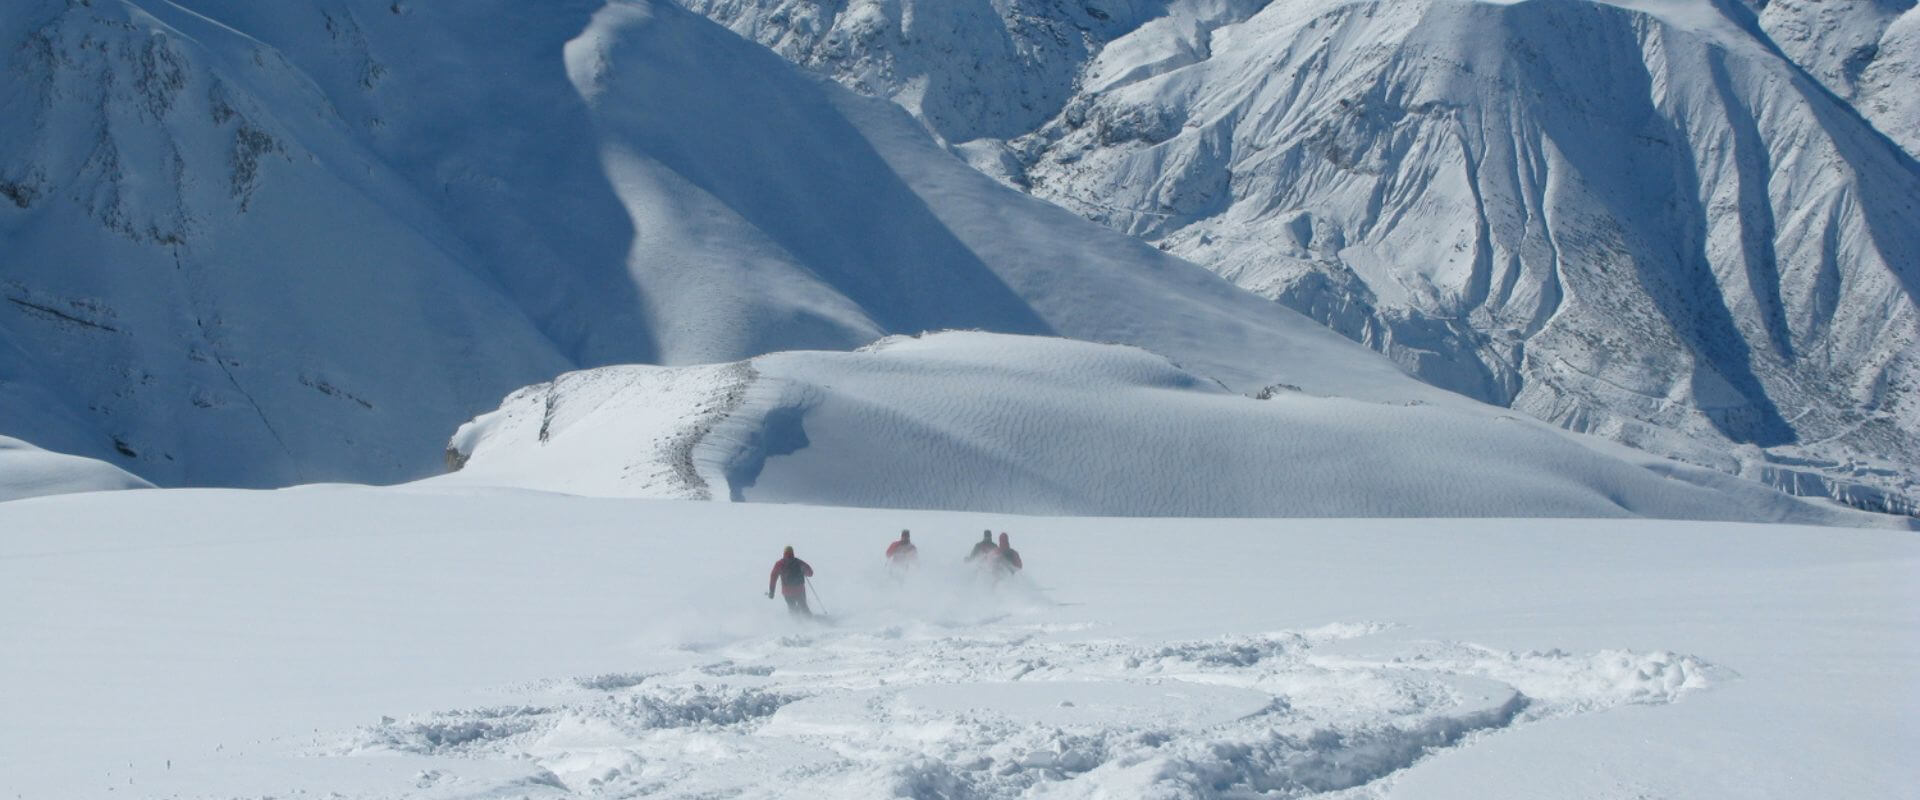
(790, 574)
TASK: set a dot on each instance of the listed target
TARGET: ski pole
(816, 597)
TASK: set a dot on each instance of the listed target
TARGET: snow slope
(256, 244)
(28, 471)
(992, 422)
(1637, 219)
(396, 643)
(209, 277)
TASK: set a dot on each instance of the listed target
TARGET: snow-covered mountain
(1643, 220)
(257, 244)
(211, 276)
(1035, 425)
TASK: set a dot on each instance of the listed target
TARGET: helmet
(789, 552)
(906, 535)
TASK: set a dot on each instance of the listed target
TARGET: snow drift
(28, 471)
(989, 422)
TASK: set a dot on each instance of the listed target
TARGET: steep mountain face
(969, 69)
(1867, 52)
(258, 244)
(207, 277)
(1633, 219)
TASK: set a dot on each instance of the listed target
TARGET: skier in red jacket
(902, 554)
(1005, 558)
(792, 574)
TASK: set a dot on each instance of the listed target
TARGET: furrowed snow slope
(1634, 219)
(207, 279)
(990, 422)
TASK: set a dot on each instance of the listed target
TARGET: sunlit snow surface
(408, 643)
(1033, 425)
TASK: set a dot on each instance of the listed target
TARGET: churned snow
(378, 643)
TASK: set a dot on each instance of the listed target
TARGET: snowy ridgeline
(993, 422)
(408, 643)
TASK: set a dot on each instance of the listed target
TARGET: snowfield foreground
(356, 642)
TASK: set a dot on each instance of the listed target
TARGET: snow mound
(646, 420)
(992, 422)
(28, 471)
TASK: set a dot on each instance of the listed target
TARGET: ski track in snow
(965, 691)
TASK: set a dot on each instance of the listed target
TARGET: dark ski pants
(797, 605)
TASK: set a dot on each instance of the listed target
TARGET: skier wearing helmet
(792, 574)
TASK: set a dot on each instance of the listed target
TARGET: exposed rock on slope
(969, 68)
